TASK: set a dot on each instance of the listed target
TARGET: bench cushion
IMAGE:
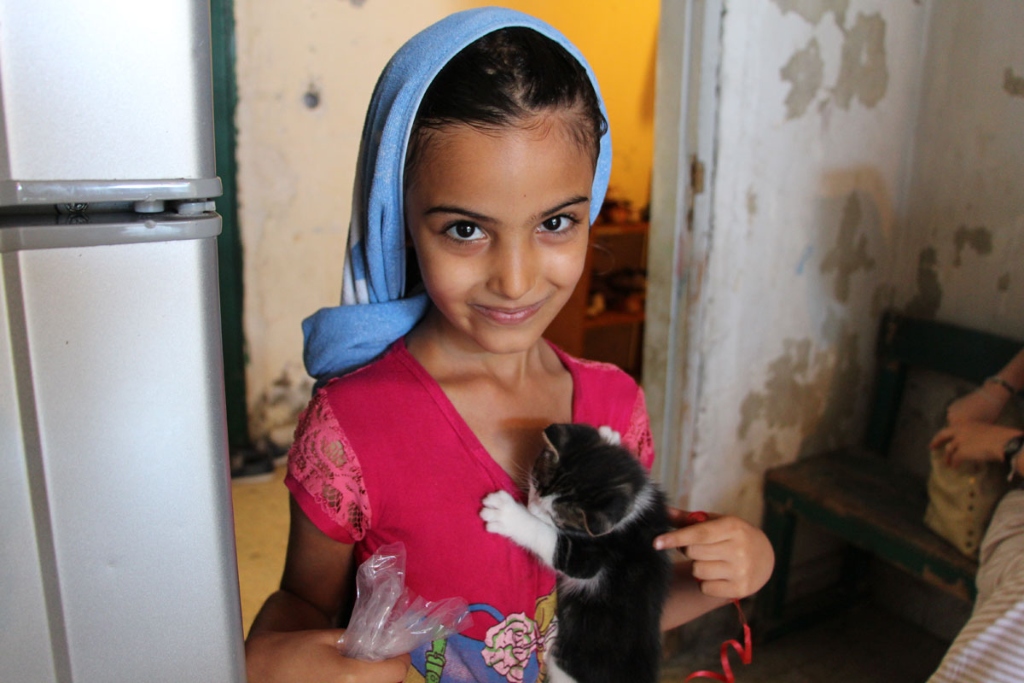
(875, 506)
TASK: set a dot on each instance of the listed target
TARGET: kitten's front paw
(502, 515)
(609, 435)
(498, 511)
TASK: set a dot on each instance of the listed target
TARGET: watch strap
(1011, 452)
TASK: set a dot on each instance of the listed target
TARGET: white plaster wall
(818, 102)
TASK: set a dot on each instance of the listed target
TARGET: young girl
(485, 148)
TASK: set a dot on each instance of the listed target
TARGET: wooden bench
(858, 495)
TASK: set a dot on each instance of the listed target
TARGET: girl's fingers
(712, 570)
(717, 530)
(679, 538)
(710, 552)
(696, 534)
(941, 438)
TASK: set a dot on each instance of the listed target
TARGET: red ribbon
(745, 651)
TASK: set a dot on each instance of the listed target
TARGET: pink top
(381, 455)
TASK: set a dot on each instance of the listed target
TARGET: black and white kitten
(592, 516)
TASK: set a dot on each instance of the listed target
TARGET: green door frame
(229, 244)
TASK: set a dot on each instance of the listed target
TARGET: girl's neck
(453, 357)
(506, 399)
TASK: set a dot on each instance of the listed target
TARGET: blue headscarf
(375, 311)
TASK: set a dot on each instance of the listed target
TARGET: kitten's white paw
(498, 511)
(609, 435)
(502, 515)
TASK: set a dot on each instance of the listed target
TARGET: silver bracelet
(996, 379)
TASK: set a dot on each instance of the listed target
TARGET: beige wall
(306, 70)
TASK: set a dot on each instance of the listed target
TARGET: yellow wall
(619, 39)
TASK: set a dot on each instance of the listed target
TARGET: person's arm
(292, 639)
(727, 559)
(685, 601)
(986, 402)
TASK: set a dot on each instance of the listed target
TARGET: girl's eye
(558, 223)
(464, 232)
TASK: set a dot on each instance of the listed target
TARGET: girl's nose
(513, 272)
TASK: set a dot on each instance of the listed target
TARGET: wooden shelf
(611, 229)
(608, 318)
(611, 336)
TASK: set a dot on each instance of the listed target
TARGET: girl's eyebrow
(564, 205)
(481, 218)
(450, 208)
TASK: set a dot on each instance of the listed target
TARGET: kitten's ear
(550, 449)
(610, 509)
(596, 524)
(557, 436)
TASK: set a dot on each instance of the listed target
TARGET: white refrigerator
(115, 513)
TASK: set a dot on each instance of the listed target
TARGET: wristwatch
(1011, 450)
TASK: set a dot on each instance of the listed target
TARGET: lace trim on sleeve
(638, 437)
(322, 462)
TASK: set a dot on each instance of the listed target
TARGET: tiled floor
(865, 646)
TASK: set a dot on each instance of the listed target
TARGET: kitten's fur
(593, 516)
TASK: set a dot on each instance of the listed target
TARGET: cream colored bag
(961, 499)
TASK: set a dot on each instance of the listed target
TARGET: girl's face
(500, 224)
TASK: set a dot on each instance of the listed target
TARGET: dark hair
(503, 78)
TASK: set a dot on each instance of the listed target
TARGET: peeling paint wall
(964, 232)
(869, 154)
(306, 70)
(818, 101)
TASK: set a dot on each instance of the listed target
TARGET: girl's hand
(303, 656)
(731, 558)
(962, 441)
(981, 405)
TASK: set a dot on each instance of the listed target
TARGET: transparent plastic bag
(388, 620)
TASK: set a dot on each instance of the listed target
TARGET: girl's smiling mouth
(508, 316)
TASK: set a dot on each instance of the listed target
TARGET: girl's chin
(475, 331)
(505, 339)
